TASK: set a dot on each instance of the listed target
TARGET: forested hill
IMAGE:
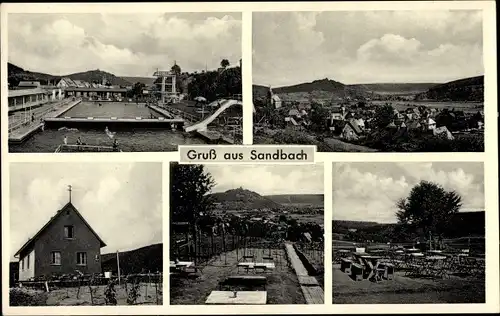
(468, 89)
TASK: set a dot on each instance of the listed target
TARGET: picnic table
(257, 265)
(237, 298)
(183, 267)
(368, 261)
(181, 264)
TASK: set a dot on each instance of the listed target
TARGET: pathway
(313, 293)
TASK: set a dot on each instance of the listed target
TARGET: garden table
(237, 298)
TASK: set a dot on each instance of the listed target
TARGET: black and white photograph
(246, 234)
(103, 82)
(408, 233)
(86, 234)
(370, 81)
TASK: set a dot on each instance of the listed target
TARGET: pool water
(110, 109)
(128, 141)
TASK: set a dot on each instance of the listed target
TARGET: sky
(356, 47)
(123, 44)
(369, 191)
(269, 179)
(122, 202)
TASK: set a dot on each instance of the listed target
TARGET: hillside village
(386, 122)
(262, 216)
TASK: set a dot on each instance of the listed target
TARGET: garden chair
(357, 271)
(345, 265)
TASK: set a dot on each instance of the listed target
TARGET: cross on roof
(69, 190)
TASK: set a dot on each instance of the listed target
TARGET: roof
(64, 208)
(29, 84)
(391, 125)
(355, 126)
(69, 81)
(22, 92)
(97, 89)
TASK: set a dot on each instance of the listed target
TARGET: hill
(242, 199)
(468, 89)
(394, 88)
(149, 258)
(323, 89)
(316, 85)
(16, 74)
(97, 76)
(148, 81)
(259, 91)
(316, 200)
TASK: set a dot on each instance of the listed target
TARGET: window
(81, 258)
(22, 264)
(68, 232)
(55, 258)
(28, 262)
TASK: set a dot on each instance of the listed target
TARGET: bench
(345, 265)
(357, 271)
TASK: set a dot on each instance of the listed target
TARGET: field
(309, 218)
(282, 283)
(69, 297)
(406, 290)
(471, 107)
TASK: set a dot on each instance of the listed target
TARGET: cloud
(366, 46)
(124, 44)
(269, 179)
(121, 201)
(369, 191)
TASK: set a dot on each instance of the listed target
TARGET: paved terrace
(20, 131)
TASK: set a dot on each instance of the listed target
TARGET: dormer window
(69, 232)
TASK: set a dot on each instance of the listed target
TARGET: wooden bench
(345, 265)
(357, 271)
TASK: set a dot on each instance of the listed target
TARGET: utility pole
(118, 265)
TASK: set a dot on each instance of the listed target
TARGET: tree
(319, 116)
(428, 208)
(224, 63)
(384, 115)
(176, 69)
(190, 186)
(137, 89)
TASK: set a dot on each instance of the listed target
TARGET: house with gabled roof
(351, 130)
(66, 244)
(65, 83)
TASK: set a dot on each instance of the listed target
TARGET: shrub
(20, 297)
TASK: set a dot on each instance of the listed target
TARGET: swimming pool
(110, 109)
(128, 141)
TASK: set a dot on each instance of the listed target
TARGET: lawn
(406, 290)
(282, 283)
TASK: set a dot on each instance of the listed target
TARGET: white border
(490, 157)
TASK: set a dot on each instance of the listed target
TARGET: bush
(21, 297)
